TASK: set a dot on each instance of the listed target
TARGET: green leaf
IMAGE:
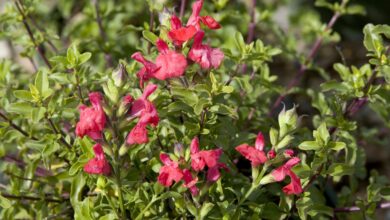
(309, 145)
(273, 136)
(356, 10)
(4, 202)
(72, 56)
(340, 169)
(20, 108)
(150, 36)
(23, 95)
(323, 133)
(240, 43)
(84, 57)
(37, 114)
(42, 84)
(206, 208)
(41, 81)
(284, 142)
(76, 189)
(337, 146)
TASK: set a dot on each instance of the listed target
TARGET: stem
(16, 127)
(55, 130)
(182, 8)
(139, 216)
(119, 185)
(151, 24)
(252, 24)
(31, 35)
(351, 109)
(31, 198)
(103, 34)
(79, 88)
(304, 66)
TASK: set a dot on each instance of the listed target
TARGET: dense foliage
(165, 109)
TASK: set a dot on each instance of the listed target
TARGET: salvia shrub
(165, 109)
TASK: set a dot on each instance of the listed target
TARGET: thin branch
(16, 127)
(182, 8)
(103, 35)
(385, 205)
(151, 27)
(252, 24)
(304, 66)
(31, 35)
(31, 198)
(56, 131)
(351, 109)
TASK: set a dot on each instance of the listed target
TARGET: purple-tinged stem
(303, 66)
(182, 9)
(31, 35)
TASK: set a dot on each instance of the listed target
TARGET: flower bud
(179, 150)
(288, 153)
(125, 105)
(271, 154)
(101, 182)
(119, 75)
(267, 179)
(123, 150)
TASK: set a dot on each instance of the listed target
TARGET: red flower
(147, 113)
(199, 159)
(92, 119)
(213, 174)
(255, 154)
(204, 55)
(147, 71)
(271, 154)
(288, 153)
(170, 63)
(99, 164)
(195, 19)
(179, 34)
(138, 135)
(189, 182)
(145, 109)
(169, 172)
(280, 174)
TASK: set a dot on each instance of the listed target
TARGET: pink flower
(288, 153)
(169, 172)
(213, 174)
(255, 154)
(170, 63)
(147, 113)
(294, 187)
(200, 159)
(144, 109)
(138, 135)
(190, 182)
(92, 119)
(195, 19)
(280, 174)
(99, 164)
(147, 71)
(204, 55)
(179, 34)
(271, 154)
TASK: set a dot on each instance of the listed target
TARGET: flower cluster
(172, 63)
(93, 121)
(200, 159)
(257, 156)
